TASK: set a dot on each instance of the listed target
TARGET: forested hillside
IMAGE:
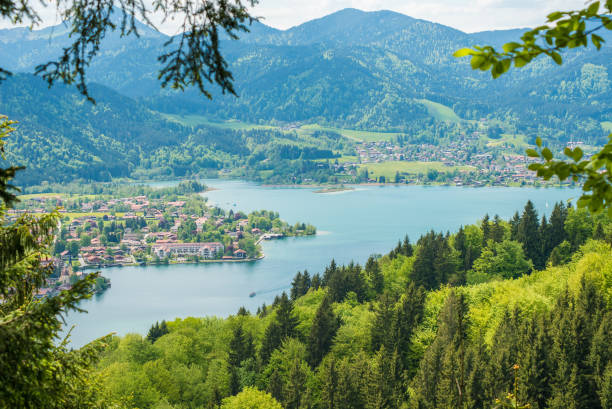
(60, 137)
(411, 329)
(339, 70)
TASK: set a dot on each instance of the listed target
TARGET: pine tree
(240, 347)
(497, 230)
(441, 379)
(324, 328)
(557, 224)
(435, 262)
(504, 355)
(37, 370)
(528, 234)
(329, 271)
(284, 326)
(296, 286)
(546, 239)
(486, 230)
(409, 315)
(407, 249)
(382, 330)
(295, 386)
(315, 282)
(329, 384)
(461, 246)
(514, 223)
(376, 277)
(535, 366)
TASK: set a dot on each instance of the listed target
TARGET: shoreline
(241, 260)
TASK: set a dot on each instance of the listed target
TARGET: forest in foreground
(500, 314)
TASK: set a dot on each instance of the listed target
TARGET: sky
(466, 15)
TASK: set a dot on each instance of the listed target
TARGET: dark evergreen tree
(329, 271)
(486, 230)
(322, 332)
(382, 329)
(557, 224)
(156, 331)
(535, 366)
(409, 315)
(241, 346)
(297, 286)
(284, 326)
(528, 234)
(315, 282)
(514, 223)
(497, 230)
(407, 249)
(435, 262)
(547, 241)
(376, 277)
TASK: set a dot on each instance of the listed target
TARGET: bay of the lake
(351, 225)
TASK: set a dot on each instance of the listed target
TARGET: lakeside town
(163, 227)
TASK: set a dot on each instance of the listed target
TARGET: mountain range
(351, 69)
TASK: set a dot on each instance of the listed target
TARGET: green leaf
(547, 154)
(463, 52)
(557, 57)
(477, 61)
(593, 9)
(577, 154)
(597, 40)
(539, 142)
(509, 47)
(532, 153)
(555, 16)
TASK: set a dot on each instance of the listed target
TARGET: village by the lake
(163, 226)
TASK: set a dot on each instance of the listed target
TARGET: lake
(351, 226)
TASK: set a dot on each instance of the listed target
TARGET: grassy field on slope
(439, 112)
(388, 169)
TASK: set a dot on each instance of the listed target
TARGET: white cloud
(466, 15)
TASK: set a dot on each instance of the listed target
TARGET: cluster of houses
(139, 242)
(494, 166)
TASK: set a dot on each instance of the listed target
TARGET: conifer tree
(535, 366)
(407, 249)
(382, 330)
(514, 223)
(296, 286)
(546, 239)
(435, 262)
(409, 315)
(376, 277)
(329, 388)
(284, 326)
(497, 230)
(557, 224)
(241, 346)
(37, 369)
(528, 234)
(324, 328)
(315, 282)
(486, 229)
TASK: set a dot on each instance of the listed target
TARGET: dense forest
(499, 314)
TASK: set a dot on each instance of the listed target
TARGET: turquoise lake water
(351, 226)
